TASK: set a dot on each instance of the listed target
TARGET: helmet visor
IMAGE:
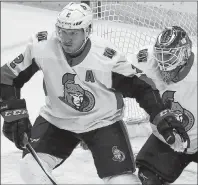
(167, 58)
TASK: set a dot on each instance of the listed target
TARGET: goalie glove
(172, 130)
(16, 121)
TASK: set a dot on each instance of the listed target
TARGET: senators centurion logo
(184, 116)
(75, 96)
(118, 155)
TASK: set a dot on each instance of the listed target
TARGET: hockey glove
(172, 130)
(16, 121)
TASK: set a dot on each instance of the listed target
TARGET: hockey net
(132, 25)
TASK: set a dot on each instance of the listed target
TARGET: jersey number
(68, 14)
(16, 61)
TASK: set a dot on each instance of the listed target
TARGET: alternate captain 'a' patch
(109, 52)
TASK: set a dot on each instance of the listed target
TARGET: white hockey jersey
(180, 96)
(78, 90)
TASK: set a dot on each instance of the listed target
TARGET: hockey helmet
(172, 48)
(75, 16)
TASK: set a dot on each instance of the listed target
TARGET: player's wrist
(162, 115)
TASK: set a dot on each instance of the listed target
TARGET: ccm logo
(16, 112)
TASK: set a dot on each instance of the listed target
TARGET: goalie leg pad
(161, 159)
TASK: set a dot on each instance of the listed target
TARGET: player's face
(71, 39)
(77, 99)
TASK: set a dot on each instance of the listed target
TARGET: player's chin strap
(81, 47)
(85, 40)
(35, 156)
(83, 44)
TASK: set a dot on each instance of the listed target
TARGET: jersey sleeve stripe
(25, 76)
(7, 75)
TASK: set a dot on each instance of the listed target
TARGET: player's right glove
(16, 121)
(169, 127)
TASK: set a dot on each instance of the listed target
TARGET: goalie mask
(74, 17)
(171, 51)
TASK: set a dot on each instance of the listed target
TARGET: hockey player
(85, 80)
(172, 65)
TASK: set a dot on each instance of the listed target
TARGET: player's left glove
(172, 130)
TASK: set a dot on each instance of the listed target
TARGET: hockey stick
(35, 156)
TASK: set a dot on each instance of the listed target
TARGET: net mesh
(132, 25)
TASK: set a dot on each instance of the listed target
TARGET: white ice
(17, 24)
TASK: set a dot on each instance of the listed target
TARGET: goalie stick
(36, 157)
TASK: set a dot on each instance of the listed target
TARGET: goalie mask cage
(132, 25)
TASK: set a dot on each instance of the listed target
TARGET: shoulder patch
(142, 55)
(109, 52)
(42, 35)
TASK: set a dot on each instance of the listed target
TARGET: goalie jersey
(180, 97)
(78, 90)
